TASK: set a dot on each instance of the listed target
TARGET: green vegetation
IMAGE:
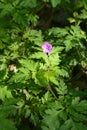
(43, 89)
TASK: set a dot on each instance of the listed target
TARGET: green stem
(50, 89)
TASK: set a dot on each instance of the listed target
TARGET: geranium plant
(43, 64)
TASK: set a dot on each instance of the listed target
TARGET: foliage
(64, 115)
(37, 90)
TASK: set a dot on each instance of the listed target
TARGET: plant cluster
(43, 65)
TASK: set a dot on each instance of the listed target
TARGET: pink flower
(47, 48)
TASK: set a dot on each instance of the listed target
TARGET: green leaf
(20, 77)
(46, 0)
(7, 9)
(67, 125)
(58, 32)
(71, 125)
(30, 65)
(83, 15)
(20, 18)
(62, 88)
(33, 19)
(54, 59)
(80, 106)
(29, 3)
(46, 97)
(58, 49)
(40, 78)
(50, 76)
(28, 112)
(53, 80)
(55, 2)
(50, 121)
(80, 126)
(34, 36)
(4, 92)
(6, 124)
(39, 55)
(68, 44)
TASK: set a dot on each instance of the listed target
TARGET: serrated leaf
(40, 78)
(38, 55)
(34, 36)
(18, 18)
(6, 124)
(55, 2)
(67, 125)
(62, 88)
(80, 106)
(57, 49)
(19, 77)
(83, 15)
(68, 44)
(4, 92)
(58, 32)
(71, 125)
(7, 9)
(28, 3)
(50, 76)
(81, 126)
(53, 80)
(50, 120)
(30, 65)
(54, 59)
(46, 97)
